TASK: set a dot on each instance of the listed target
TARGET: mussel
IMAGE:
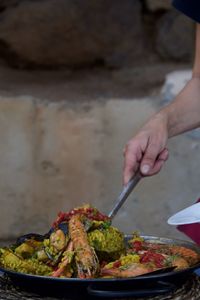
(41, 237)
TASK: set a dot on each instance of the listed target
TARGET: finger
(128, 173)
(131, 162)
(162, 158)
(164, 154)
(157, 167)
(149, 158)
(131, 165)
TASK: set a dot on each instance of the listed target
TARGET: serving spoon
(127, 189)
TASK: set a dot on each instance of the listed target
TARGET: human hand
(147, 150)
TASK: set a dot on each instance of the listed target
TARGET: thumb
(149, 159)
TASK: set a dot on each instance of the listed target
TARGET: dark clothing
(190, 8)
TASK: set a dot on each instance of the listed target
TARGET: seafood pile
(83, 244)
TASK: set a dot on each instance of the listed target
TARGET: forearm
(183, 114)
(147, 150)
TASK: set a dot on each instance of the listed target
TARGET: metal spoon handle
(125, 193)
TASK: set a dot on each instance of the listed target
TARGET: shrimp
(65, 262)
(85, 257)
(131, 270)
(180, 263)
(188, 254)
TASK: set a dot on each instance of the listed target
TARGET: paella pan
(83, 250)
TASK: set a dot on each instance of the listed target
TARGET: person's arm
(147, 150)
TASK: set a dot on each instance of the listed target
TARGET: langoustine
(85, 257)
(131, 270)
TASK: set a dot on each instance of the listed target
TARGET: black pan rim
(96, 280)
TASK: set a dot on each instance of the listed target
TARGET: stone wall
(114, 33)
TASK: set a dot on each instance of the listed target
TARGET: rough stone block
(175, 37)
(52, 33)
(154, 5)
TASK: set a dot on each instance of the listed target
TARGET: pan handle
(161, 288)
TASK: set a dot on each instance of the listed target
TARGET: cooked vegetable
(124, 261)
(31, 266)
(87, 210)
(24, 250)
(108, 242)
(41, 255)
